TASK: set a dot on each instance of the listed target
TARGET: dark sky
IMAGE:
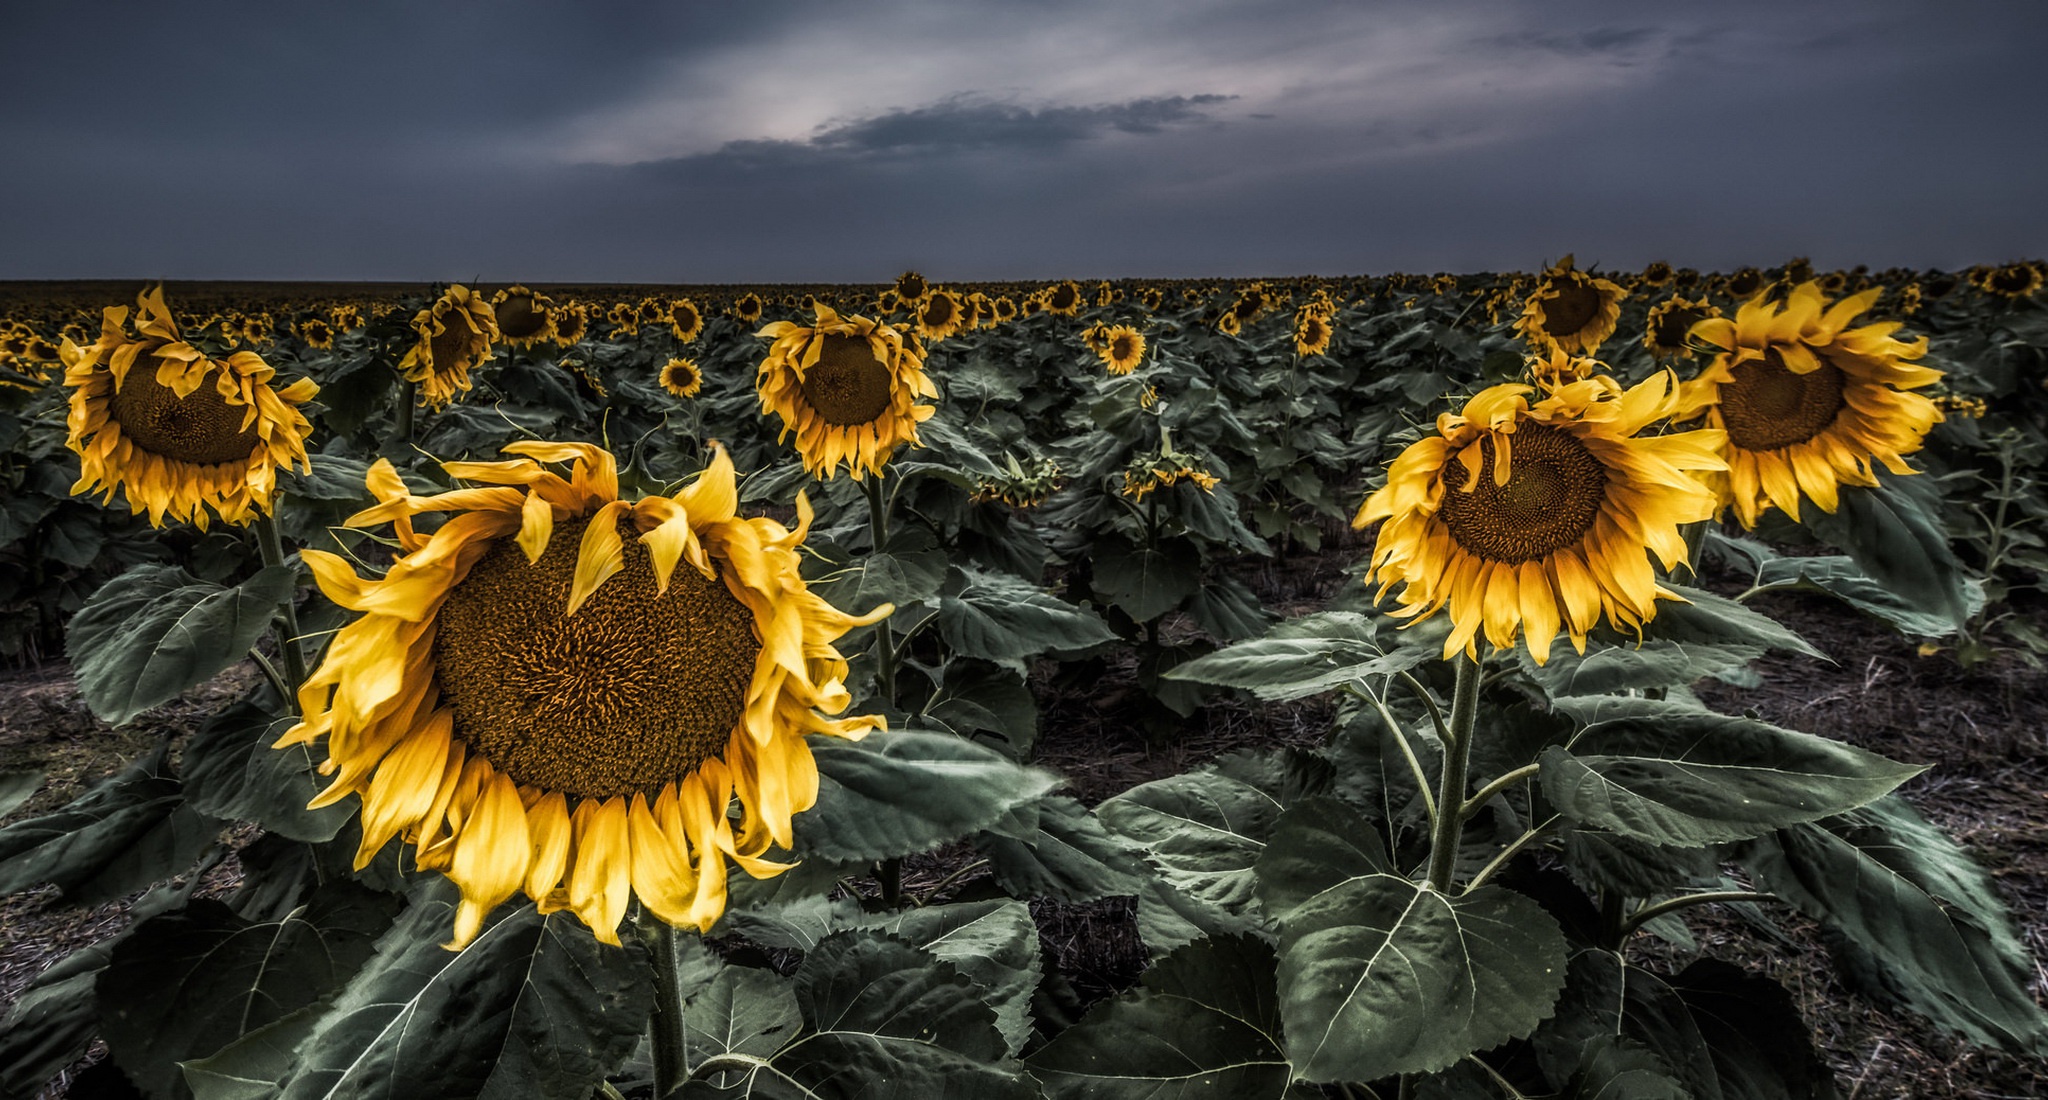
(811, 141)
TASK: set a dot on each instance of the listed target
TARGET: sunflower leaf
(1306, 656)
(155, 631)
(231, 771)
(1380, 975)
(52, 1022)
(1895, 534)
(1204, 1021)
(1920, 917)
(1005, 619)
(535, 1006)
(1065, 852)
(1672, 774)
(903, 792)
(1145, 582)
(125, 833)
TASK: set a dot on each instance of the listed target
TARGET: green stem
(1414, 764)
(889, 872)
(1443, 844)
(1497, 862)
(272, 546)
(408, 395)
(1649, 913)
(1478, 801)
(671, 1055)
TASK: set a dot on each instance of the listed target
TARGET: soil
(1980, 730)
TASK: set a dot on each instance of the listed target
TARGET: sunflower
(1123, 348)
(848, 387)
(938, 316)
(1665, 329)
(1559, 369)
(1570, 310)
(1658, 274)
(1228, 324)
(911, 287)
(1529, 518)
(1745, 283)
(1063, 299)
(747, 308)
(888, 301)
(456, 334)
(178, 432)
(316, 332)
(1005, 309)
(572, 324)
(539, 700)
(685, 320)
(682, 377)
(1311, 331)
(2015, 280)
(1808, 404)
(1151, 298)
(524, 317)
(258, 329)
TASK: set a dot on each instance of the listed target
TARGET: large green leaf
(250, 1067)
(910, 568)
(883, 1021)
(155, 631)
(534, 1007)
(1926, 919)
(1317, 844)
(1653, 664)
(230, 771)
(1005, 619)
(17, 788)
(1204, 1021)
(125, 833)
(1707, 619)
(185, 984)
(740, 1011)
(52, 1022)
(1673, 774)
(1894, 532)
(909, 791)
(1380, 975)
(1061, 850)
(1202, 832)
(993, 942)
(1304, 656)
(989, 703)
(1145, 582)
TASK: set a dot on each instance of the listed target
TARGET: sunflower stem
(885, 640)
(408, 394)
(671, 1054)
(1443, 845)
(272, 547)
(1648, 913)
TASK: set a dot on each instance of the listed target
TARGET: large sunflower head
(562, 693)
(1530, 517)
(181, 434)
(848, 387)
(455, 337)
(1665, 330)
(525, 317)
(682, 377)
(1123, 348)
(1808, 403)
(1570, 310)
(685, 320)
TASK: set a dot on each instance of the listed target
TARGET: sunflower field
(1352, 687)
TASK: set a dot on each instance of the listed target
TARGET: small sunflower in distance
(180, 434)
(572, 324)
(1665, 330)
(1062, 299)
(1123, 348)
(1808, 403)
(747, 308)
(848, 387)
(1570, 310)
(562, 693)
(455, 337)
(685, 321)
(2022, 279)
(1311, 331)
(911, 287)
(1530, 517)
(938, 316)
(682, 377)
(524, 317)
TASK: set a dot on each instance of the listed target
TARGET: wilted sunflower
(456, 334)
(1311, 331)
(1005, 309)
(1558, 369)
(1123, 348)
(939, 316)
(2015, 280)
(524, 317)
(178, 432)
(1529, 518)
(848, 387)
(1570, 310)
(682, 377)
(1151, 298)
(684, 320)
(572, 323)
(747, 308)
(1808, 403)
(560, 693)
(1062, 299)
(1664, 331)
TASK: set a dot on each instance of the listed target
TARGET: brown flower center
(1124, 348)
(1576, 304)
(847, 385)
(200, 428)
(632, 691)
(452, 349)
(1553, 494)
(518, 319)
(939, 311)
(1767, 406)
(1672, 327)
